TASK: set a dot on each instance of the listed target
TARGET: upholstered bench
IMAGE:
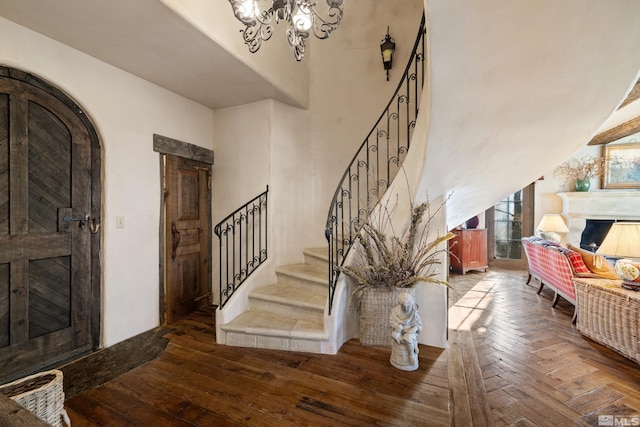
(557, 267)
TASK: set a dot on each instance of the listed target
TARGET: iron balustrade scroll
(243, 244)
(376, 163)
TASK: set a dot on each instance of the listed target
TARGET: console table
(610, 315)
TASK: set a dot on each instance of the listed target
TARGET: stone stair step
(289, 301)
(259, 329)
(289, 314)
(304, 276)
(318, 257)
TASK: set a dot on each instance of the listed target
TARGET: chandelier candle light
(623, 241)
(302, 16)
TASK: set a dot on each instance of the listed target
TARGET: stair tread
(269, 324)
(292, 295)
(307, 271)
(322, 253)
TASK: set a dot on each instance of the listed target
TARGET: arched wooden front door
(49, 205)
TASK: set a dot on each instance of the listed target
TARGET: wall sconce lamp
(387, 48)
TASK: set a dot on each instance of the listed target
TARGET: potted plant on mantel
(581, 171)
(387, 264)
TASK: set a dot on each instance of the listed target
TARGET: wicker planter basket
(41, 394)
(375, 307)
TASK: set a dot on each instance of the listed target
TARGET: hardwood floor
(512, 360)
(537, 369)
(196, 382)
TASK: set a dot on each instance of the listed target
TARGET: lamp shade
(623, 240)
(553, 223)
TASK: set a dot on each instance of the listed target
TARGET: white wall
(126, 112)
(349, 90)
(260, 144)
(310, 149)
(242, 146)
(546, 200)
(516, 86)
(274, 61)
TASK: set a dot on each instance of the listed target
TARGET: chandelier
(303, 19)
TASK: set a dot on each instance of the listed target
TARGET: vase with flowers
(581, 171)
(387, 264)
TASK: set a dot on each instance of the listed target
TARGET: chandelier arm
(259, 24)
(323, 27)
(258, 28)
(297, 41)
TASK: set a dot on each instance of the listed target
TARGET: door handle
(81, 220)
(94, 225)
(176, 239)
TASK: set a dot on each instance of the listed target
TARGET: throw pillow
(577, 263)
(597, 264)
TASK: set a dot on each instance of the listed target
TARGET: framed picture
(622, 166)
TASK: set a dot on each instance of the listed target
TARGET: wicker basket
(41, 394)
(375, 308)
(610, 315)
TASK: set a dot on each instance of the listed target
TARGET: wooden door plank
(81, 247)
(19, 166)
(19, 308)
(4, 163)
(34, 246)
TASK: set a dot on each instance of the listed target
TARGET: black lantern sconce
(387, 48)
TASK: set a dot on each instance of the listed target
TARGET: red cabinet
(468, 250)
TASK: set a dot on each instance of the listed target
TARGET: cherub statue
(405, 326)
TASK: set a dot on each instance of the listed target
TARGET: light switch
(119, 222)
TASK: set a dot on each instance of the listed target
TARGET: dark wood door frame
(95, 157)
(169, 146)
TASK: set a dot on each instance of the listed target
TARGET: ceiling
(149, 40)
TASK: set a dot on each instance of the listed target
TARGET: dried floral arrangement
(581, 169)
(385, 259)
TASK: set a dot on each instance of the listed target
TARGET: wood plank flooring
(512, 360)
(537, 369)
(196, 382)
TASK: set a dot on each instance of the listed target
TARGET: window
(507, 222)
(508, 227)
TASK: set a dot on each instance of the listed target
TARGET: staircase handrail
(342, 224)
(245, 243)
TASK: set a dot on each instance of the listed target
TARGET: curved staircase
(294, 313)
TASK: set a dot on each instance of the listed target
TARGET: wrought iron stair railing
(376, 163)
(243, 244)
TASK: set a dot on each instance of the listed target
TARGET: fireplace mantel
(577, 207)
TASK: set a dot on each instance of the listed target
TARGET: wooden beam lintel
(615, 133)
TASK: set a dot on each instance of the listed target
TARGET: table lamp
(623, 241)
(550, 226)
